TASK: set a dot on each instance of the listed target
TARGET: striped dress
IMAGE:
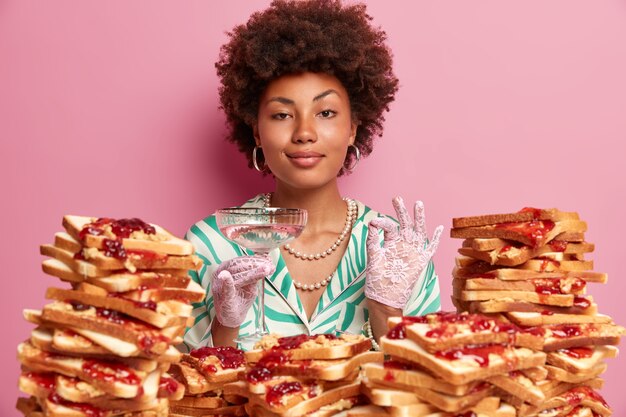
(342, 307)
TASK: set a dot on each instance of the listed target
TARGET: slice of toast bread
(217, 364)
(484, 270)
(445, 330)
(149, 339)
(511, 255)
(325, 370)
(534, 233)
(527, 214)
(405, 375)
(563, 336)
(518, 385)
(157, 314)
(93, 234)
(582, 305)
(303, 347)
(559, 374)
(561, 285)
(121, 381)
(464, 368)
(120, 258)
(541, 319)
(121, 281)
(582, 359)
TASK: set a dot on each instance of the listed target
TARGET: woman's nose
(305, 131)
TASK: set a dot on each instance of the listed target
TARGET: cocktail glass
(260, 229)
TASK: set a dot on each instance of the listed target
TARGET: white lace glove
(394, 268)
(235, 287)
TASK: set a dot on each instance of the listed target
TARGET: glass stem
(260, 324)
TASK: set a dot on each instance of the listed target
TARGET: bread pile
(103, 345)
(317, 376)
(449, 364)
(204, 371)
(529, 268)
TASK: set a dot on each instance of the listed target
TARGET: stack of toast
(103, 345)
(316, 376)
(448, 364)
(204, 372)
(530, 268)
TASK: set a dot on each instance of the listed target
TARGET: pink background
(110, 109)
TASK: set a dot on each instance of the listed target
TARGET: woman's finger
(434, 243)
(388, 226)
(402, 213)
(420, 219)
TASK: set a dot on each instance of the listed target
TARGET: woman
(304, 88)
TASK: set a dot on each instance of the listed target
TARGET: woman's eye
(280, 116)
(327, 113)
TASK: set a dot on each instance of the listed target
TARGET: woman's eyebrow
(288, 101)
(324, 94)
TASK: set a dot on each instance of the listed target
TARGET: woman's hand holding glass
(235, 287)
(394, 268)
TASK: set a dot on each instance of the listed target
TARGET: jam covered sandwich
(530, 269)
(304, 375)
(204, 372)
(470, 365)
(104, 344)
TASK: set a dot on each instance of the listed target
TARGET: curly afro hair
(307, 36)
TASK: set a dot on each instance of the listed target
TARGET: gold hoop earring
(254, 161)
(357, 154)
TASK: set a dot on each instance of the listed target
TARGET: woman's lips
(305, 159)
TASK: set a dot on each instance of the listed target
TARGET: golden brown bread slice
(581, 359)
(541, 319)
(158, 314)
(559, 374)
(193, 380)
(70, 342)
(560, 300)
(120, 281)
(217, 364)
(463, 365)
(151, 340)
(526, 214)
(202, 402)
(561, 285)
(325, 369)
(120, 258)
(445, 330)
(299, 408)
(134, 234)
(55, 407)
(386, 396)
(518, 385)
(227, 410)
(489, 244)
(483, 270)
(302, 347)
(42, 385)
(562, 336)
(123, 381)
(405, 375)
(511, 255)
(550, 265)
(534, 233)
(582, 305)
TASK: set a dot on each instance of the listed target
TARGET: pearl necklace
(350, 219)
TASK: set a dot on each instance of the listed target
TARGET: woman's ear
(353, 127)
(255, 134)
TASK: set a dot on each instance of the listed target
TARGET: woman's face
(304, 128)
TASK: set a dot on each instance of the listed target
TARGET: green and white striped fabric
(342, 307)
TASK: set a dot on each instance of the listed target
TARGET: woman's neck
(325, 206)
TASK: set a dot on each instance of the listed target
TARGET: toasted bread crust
(522, 216)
